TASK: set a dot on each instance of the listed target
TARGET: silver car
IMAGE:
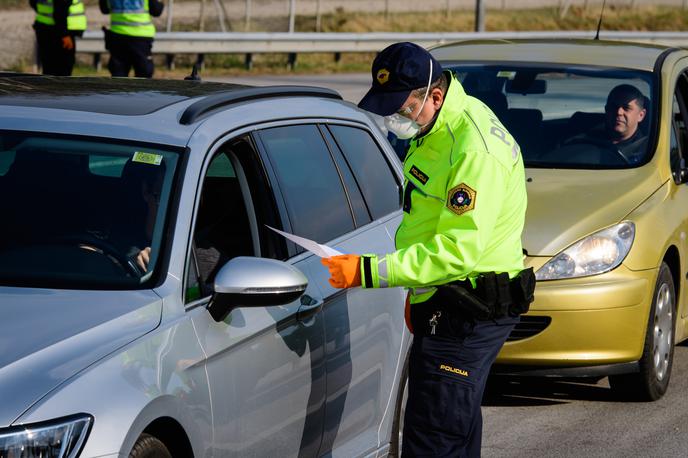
(148, 308)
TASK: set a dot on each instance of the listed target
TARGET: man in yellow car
(458, 246)
(621, 134)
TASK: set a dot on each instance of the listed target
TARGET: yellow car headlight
(595, 254)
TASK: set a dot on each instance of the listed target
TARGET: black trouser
(127, 52)
(55, 60)
(447, 375)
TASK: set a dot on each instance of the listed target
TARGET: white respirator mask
(403, 127)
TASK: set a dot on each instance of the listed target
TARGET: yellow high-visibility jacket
(464, 203)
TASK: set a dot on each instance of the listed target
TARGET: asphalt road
(546, 418)
(543, 418)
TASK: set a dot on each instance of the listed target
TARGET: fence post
(201, 19)
(292, 13)
(563, 9)
(317, 16)
(170, 15)
(221, 14)
(479, 16)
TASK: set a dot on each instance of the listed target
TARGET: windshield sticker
(147, 158)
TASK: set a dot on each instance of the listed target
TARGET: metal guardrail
(200, 43)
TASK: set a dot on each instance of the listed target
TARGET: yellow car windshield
(569, 117)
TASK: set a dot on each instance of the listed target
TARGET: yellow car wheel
(655, 363)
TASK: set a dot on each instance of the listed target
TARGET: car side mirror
(255, 282)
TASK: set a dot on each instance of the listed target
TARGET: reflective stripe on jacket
(465, 203)
(131, 18)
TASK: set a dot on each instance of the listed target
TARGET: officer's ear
(436, 96)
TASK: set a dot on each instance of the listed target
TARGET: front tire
(652, 381)
(147, 446)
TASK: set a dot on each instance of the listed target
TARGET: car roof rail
(212, 102)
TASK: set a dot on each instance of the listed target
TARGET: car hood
(49, 335)
(566, 205)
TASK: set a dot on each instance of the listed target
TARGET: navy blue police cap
(397, 71)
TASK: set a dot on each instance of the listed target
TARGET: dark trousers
(447, 375)
(127, 52)
(55, 60)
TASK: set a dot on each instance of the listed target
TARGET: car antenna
(194, 74)
(599, 23)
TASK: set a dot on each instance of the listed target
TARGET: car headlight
(63, 438)
(595, 254)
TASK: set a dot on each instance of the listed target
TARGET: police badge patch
(383, 76)
(461, 199)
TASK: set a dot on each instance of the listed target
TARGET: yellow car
(602, 129)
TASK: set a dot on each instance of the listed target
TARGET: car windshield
(568, 117)
(76, 214)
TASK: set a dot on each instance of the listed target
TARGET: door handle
(308, 308)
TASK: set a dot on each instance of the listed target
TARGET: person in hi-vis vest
(130, 37)
(57, 23)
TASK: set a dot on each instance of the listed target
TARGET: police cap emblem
(461, 199)
(382, 76)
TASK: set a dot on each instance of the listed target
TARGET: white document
(317, 249)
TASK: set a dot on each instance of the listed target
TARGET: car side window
(373, 173)
(222, 230)
(679, 134)
(675, 149)
(316, 203)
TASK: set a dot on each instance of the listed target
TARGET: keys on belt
(434, 320)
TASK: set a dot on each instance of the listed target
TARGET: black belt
(494, 296)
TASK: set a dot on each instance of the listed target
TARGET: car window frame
(275, 194)
(221, 143)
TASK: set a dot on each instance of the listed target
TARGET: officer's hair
(440, 82)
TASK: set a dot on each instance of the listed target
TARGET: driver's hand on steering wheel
(143, 258)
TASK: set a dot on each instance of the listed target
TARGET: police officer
(458, 246)
(130, 37)
(57, 23)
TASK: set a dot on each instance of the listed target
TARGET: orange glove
(68, 42)
(345, 270)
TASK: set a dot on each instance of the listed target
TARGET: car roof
(564, 51)
(120, 96)
(147, 110)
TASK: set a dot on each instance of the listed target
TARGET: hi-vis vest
(464, 207)
(131, 18)
(76, 18)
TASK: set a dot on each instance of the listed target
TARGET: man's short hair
(626, 93)
(442, 82)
